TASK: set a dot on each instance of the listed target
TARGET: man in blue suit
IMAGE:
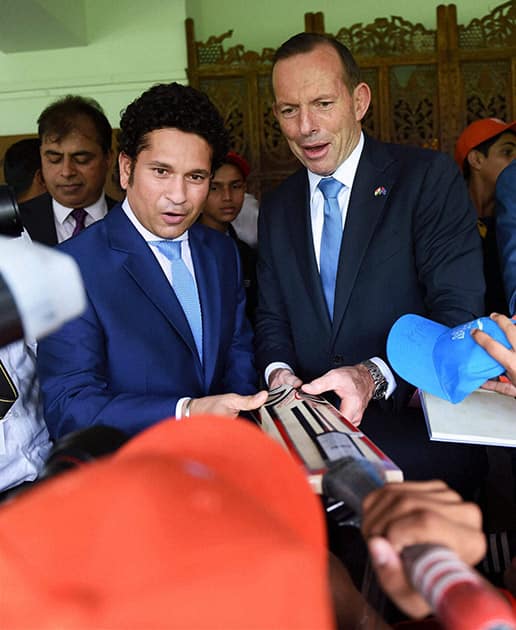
(337, 267)
(164, 333)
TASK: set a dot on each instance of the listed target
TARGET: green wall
(133, 44)
(286, 17)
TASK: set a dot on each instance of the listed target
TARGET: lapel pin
(381, 191)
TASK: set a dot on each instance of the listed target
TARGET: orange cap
(239, 161)
(201, 524)
(476, 133)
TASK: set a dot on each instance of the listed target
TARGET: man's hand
(282, 376)
(353, 385)
(227, 404)
(402, 514)
(505, 356)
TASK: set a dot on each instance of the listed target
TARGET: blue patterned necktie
(184, 288)
(331, 239)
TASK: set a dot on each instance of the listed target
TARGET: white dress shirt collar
(146, 234)
(345, 173)
(96, 211)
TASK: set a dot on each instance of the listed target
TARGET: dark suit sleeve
(76, 393)
(448, 250)
(240, 374)
(273, 331)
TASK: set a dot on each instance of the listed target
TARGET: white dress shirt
(65, 223)
(24, 439)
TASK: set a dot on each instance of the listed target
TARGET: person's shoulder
(211, 238)
(296, 183)
(508, 176)
(406, 153)
(89, 239)
(35, 204)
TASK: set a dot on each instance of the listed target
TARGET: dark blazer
(38, 218)
(410, 245)
(129, 358)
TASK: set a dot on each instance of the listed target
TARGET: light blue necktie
(331, 239)
(184, 287)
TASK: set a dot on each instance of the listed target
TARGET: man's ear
(275, 111)
(475, 159)
(361, 100)
(38, 178)
(125, 167)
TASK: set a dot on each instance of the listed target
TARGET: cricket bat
(315, 433)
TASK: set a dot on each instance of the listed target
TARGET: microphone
(459, 597)
(40, 289)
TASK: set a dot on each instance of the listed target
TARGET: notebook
(483, 417)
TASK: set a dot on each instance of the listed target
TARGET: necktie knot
(330, 187)
(79, 215)
(169, 249)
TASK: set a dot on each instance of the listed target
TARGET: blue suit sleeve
(240, 374)
(76, 393)
(506, 230)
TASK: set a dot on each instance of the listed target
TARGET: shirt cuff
(180, 406)
(275, 366)
(386, 371)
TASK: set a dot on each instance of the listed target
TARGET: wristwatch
(379, 380)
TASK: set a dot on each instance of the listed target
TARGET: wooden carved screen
(427, 85)
(238, 83)
(484, 62)
(403, 65)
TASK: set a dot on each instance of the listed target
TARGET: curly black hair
(172, 105)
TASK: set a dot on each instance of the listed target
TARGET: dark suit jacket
(129, 358)
(414, 249)
(38, 218)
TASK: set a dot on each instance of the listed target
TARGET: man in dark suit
(337, 268)
(76, 156)
(165, 331)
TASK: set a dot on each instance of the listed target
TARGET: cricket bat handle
(460, 598)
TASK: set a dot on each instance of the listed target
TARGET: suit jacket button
(338, 359)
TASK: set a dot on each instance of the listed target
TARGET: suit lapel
(141, 264)
(300, 230)
(364, 211)
(207, 276)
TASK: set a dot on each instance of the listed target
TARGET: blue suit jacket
(129, 358)
(410, 245)
(506, 230)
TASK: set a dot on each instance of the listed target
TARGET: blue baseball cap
(445, 362)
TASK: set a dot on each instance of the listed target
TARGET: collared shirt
(345, 174)
(165, 265)
(24, 439)
(65, 224)
(148, 237)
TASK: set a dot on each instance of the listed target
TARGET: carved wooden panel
(495, 30)
(486, 89)
(487, 65)
(392, 37)
(427, 84)
(414, 105)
